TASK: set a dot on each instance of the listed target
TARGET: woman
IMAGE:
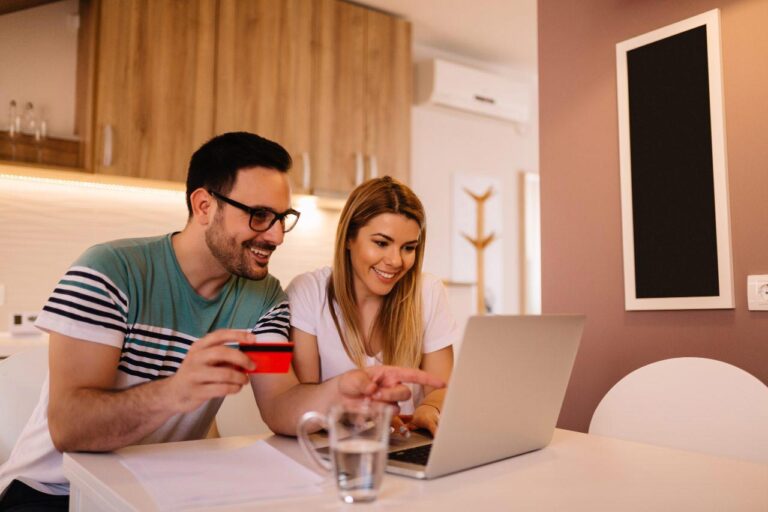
(385, 310)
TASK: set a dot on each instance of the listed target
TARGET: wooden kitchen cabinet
(364, 95)
(329, 80)
(388, 95)
(264, 75)
(339, 137)
(154, 88)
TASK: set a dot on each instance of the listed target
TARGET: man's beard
(234, 257)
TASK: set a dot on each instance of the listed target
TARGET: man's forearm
(104, 420)
(283, 412)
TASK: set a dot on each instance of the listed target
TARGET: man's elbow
(59, 436)
(63, 435)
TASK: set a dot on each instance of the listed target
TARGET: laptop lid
(505, 394)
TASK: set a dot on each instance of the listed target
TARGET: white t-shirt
(308, 296)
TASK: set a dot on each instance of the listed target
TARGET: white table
(575, 472)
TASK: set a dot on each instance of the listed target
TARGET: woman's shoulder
(314, 280)
(439, 324)
(431, 284)
(434, 294)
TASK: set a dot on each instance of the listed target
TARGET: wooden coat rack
(480, 242)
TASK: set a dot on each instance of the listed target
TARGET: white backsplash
(45, 226)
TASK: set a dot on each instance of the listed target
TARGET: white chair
(239, 415)
(690, 403)
(21, 378)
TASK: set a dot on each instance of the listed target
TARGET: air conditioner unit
(447, 84)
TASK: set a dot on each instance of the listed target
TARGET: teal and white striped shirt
(131, 294)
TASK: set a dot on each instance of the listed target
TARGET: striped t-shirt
(131, 294)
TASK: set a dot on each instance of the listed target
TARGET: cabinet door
(154, 88)
(388, 96)
(339, 94)
(264, 74)
(363, 97)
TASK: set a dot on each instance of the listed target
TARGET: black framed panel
(674, 189)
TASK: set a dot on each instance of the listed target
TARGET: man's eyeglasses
(262, 219)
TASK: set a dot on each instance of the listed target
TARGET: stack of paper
(208, 477)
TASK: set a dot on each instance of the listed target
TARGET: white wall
(45, 226)
(445, 142)
(38, 63)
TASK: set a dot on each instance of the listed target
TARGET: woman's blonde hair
(399, 321)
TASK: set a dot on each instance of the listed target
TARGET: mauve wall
(580, 202)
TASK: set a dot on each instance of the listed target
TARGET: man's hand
(211, 370)
(86, 413)
(385, 383)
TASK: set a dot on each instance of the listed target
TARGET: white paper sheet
(199, 478)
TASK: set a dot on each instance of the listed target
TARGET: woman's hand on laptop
(426, 416)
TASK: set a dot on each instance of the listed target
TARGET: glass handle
(306, 444)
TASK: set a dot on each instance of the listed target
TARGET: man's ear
(203, 208)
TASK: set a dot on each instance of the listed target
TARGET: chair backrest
(21, 378)
(689, 403)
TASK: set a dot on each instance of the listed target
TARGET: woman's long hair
(399, 321)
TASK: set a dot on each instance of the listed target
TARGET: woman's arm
(438, 363)
(427, 413)
(306, 358)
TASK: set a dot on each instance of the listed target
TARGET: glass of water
(359, 436)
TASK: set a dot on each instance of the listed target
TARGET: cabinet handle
(106, 157)
(306, 179)
(373, 166)
(359, 169)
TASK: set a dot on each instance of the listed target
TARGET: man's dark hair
(215, 164)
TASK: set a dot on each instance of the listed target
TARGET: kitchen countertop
(10, 344)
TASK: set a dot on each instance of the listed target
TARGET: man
(138, 328)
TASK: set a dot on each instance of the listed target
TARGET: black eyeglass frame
(256, 211)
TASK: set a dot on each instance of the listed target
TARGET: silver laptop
(504, 397)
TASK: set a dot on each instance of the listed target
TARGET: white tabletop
(575, 472)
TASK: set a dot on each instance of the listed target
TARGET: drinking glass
(359, 437)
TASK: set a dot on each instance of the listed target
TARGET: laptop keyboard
(417, 455)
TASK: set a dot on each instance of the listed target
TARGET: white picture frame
(530, 241)
(722, 282)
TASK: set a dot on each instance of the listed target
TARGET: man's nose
(274, 235)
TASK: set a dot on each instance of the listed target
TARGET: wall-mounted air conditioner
(447, 84)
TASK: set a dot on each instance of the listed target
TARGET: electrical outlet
(23, 323)
(757, 293)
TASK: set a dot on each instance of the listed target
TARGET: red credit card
(269, 357)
